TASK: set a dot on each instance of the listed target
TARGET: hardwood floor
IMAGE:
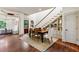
(61, 46)
(12, 43)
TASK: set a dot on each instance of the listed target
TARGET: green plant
(2, 24)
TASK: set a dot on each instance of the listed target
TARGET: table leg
(42, 37)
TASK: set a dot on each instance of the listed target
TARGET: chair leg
(50, 40)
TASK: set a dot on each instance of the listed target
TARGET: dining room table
(42, 32)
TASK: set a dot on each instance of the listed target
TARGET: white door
(77, 29)
(70, 28)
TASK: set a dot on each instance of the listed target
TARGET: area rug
(38, 44)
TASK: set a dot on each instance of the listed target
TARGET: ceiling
(26, 10)
(67, 10)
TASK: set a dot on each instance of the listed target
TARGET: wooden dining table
(42, 32)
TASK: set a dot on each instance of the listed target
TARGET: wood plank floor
(12, 43)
